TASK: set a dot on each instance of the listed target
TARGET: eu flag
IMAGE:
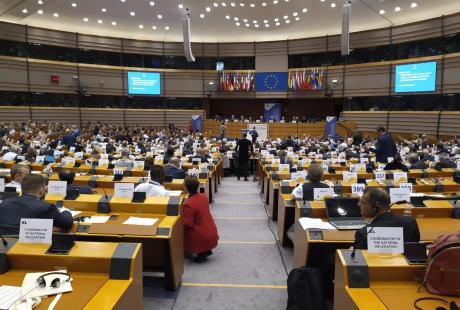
(271, 81)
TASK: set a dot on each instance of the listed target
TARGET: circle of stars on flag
(271, 81)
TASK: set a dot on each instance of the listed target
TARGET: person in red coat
(200, 231)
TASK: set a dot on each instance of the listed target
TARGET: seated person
(13, 151)
(148, 161)
(375, 203)
(18, 172)
(124, 161)
(396, 164)
(282, 157)
(169, 153)
(200, 231)
(445, 162)
(31, 154)
(188, 150)
(68, 176)
(173, 169)
(110, 150)
(415, 163)
(31, 205)
(53, 146)
(305, 191)
(154, 188)
(349, 154)
(199, 154)
(25, 146)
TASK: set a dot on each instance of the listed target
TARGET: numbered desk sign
(381, 166)
(270, 156)
(39, 159)
(57, 187)
(312, 154)
(358, 188)
(399, 194)
(319, 194)
(458, 164)
(299, 176)
(304, 161)
(47, 169)
(333, 153)
(275, 161)
(117, 171)
(353, 168)
(406, 185)
(360, 167)
(318, 156)
(159, 160)
(284, 167)
(350, 176)
(103, 162)
(289, 149)
(89, 150)
(335, 161)
(105, 156)
(400, 176)
(78, 155)
(342, 156)
(326, 162)
(36, 231)
(364, 160)
(229, 153)
(124, 190)
(325, 167)
(194, 173)
(203, 168)
(380, 175)
(139, 165)
(70, 161)
(57, 154)
(385, 240)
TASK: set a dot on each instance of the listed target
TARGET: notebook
(344, 213)
(415, 253)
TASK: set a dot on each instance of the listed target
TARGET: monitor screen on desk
(343, 208)
(417, 77)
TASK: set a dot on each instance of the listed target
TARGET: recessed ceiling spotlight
(154, 27)
(242, 4)
(216, 5)
(132, 13)
(160, 17)
(99, 21)
(56, 15)
(247, 25)
(294, 14)
(236, 18)
(304, 10)
(114, 23)
(180, 6)
(252, 5)
(254, 21)
(264, 4)
(237, 24)
(211, 83)
(152, 3)
(227, 17)
(297, 18)
(277, 24)
(85, 19)
(232, 4)
(333, 5)
(141, 26)
(24, 11)
(276, 19)
(208, 9)
(257, 26)
(323, 0)
(413, 5)
(267, 25)
(123, 0)
(40, 12)
(397, 9)
(382, 12)
(285, 17)
(334, 81)
(202, 15)
(74, 4)
(167, 28)
(275, 2)
(288, 21)
(245, 20)
(265, 21)
(223, 4)
(286, 0)
(40, 2)
(104, 10)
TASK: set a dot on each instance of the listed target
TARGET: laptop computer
(412, 180)
(415, 253)
(168, 178)
(361, 181)
(417, 202)
(7, 195)
(138, 197)
(49, 159)
(72, 194)
(344, 213)
(117, 177)
(10, 189)
(110, 166)
(61, 244)
(369, 168)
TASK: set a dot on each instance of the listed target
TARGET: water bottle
(408, 209)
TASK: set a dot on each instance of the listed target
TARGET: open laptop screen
(337, 208)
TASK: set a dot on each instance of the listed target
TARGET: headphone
(56, 281)
(376, 206)
(452, 305)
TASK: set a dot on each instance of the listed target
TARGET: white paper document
(313, 224)
(174, 193)
(140, 221)
(75, 213)
(8, 295)
(97, 219)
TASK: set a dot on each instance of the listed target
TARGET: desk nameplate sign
(57, 187)
(350, 176)
(357, 188)
(385, 240)
(36, 231)
(320, 194)
(124, 190)
(299, 176)
(398, 194)
(400, 176)
(406, 185)
(380, 176)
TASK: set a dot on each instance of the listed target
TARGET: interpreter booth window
(13, 49)
(144, 102)
(336, 58)
(369, 54)
(425, 102)
(238, 63)
(211, 63)
(452, 43)
(53, 100)
(13, 99)
(153, 61)
(381, 103)
(421, 48)
(133, 60)
(94, 57)
(101, 102)
(451, 102)
(184, 103)
(307, 60)
(51, 52)
(180, 62)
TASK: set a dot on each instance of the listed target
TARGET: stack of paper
(313, 224)
(97, 219)
(174, 193)
(140, 221)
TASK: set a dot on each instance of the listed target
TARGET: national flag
(289, 79)
(303, 81)
(307, 86)
(252, 81)
(299, 80)
(320, 79)
(248, 82)
(221, 81)
(230, 81)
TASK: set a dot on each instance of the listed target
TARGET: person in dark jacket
(385, 146)
(69, 139)
(445, 162)
(357, 138)
(173, 169)
(306, 190)
(415, 163)
(68, 176)
(396, 164)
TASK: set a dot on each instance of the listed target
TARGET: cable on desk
(274, 235)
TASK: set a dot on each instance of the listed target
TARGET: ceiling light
(167, 28)
(397, 9)
(333, 5)
(247, 25)
(294, 14)
(141, 26)
(304, 10)
(56, 15)
(24, 11)
(104, 10)
(123, 0)
(242, 4)
(382, 12)
(245, 20)
(227, 17)
(114, 23)
(277, 24)
(152, 3)
(85, 19)
(160, 17)
(40, 12)
(252, 5)
(413, 5)
(40, 2)
(287, 21)
(334, 81)
(257, 26)
(211, 83)
(233, 4)
(202, 15)
(265, 21)
(237, 24)
(236, 18)
(216, 5)
(267, 25)
(275, 2)
(132, 13)
(208, 9)
(74, 4)
(180, 6)
(223, 4)
(264, 4)
(154, 27)
(99, 21)
(285, 17)
(297, 18)
(276, 19)
(254, 21)
(323, 0)
(286, 0)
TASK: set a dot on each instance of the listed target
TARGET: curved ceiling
(212, 21)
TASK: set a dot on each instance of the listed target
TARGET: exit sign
(55, 79)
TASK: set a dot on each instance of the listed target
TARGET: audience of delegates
(68, 176)
(173, 169)
(305, 191)
(18, 172)
(155, 186)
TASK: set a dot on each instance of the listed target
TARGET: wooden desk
(391, 284)
(96, 284)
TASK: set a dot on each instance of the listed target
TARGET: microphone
(97, 179)
(3, 240)
(401, 202)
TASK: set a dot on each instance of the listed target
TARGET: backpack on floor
(305, 289)
(442, 272)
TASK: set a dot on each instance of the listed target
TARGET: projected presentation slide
(142, 83)
(419, 77)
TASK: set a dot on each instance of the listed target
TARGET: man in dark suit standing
(385, 146)
(68, 176)
(96, 129)
(243, 149)
(69, 139)
(31, 205)
(375, 203)
(173, 169)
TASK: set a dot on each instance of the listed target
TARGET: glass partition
(13, 99)
(13, 48)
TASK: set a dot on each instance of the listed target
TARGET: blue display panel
(418, 77)
(144, 83)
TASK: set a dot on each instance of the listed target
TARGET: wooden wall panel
(451, 79)
(51, 37)
(425, 29)
(142, 47)
(365, 80)
(173, 49)
(307, 46)
(377, 37)
(40, 72)
(111, 116)
(410, 122)
(103, 80)
(14, 114)
(451, 24)
(366, 121)
(236, 49)
(12, 32)
(271, 48)
(13, 75)
(91, 42)
(68, 116)
(181, 118)
(184, 84)
(449, 123)
(334, 43)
